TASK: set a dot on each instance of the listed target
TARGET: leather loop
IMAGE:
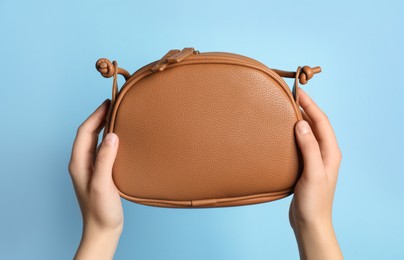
(115, 83)
(295, 90)
(304, 74)
(107, 70)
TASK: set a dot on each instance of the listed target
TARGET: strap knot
(105, 67)
(307, 73)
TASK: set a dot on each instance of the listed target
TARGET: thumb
(309, 147)
(105, 158)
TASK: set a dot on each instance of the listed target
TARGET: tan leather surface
(205, 130)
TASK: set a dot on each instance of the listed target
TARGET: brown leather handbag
(205, 129)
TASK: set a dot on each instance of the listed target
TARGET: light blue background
(49, 85)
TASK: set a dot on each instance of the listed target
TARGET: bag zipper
(173, 56)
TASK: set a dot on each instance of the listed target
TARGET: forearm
(317, 241)
(97, 244)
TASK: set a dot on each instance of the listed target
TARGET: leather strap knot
(307, 73)
(109, 69)
(105, 67)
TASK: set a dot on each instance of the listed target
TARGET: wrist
(92, 228)
(306, 225)
(317, 240)
(98, 243)
(313, 228)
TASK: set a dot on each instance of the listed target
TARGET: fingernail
(103, 103)
(110, 139)
(303, 127)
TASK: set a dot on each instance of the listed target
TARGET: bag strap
(108, 69)
(302, 75)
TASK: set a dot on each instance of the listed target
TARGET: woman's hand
(310, 212)
(91, 172)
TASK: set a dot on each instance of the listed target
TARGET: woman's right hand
(310, 211)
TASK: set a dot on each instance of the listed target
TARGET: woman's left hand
(91, 172)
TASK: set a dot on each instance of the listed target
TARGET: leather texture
(205, 129)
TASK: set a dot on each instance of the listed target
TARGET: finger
(313, 164)
(85, 143)
(104, 161)
(322, 129)
(306, 117)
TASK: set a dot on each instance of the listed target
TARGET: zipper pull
(173, 56)
(180, 56)
(161, 64)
